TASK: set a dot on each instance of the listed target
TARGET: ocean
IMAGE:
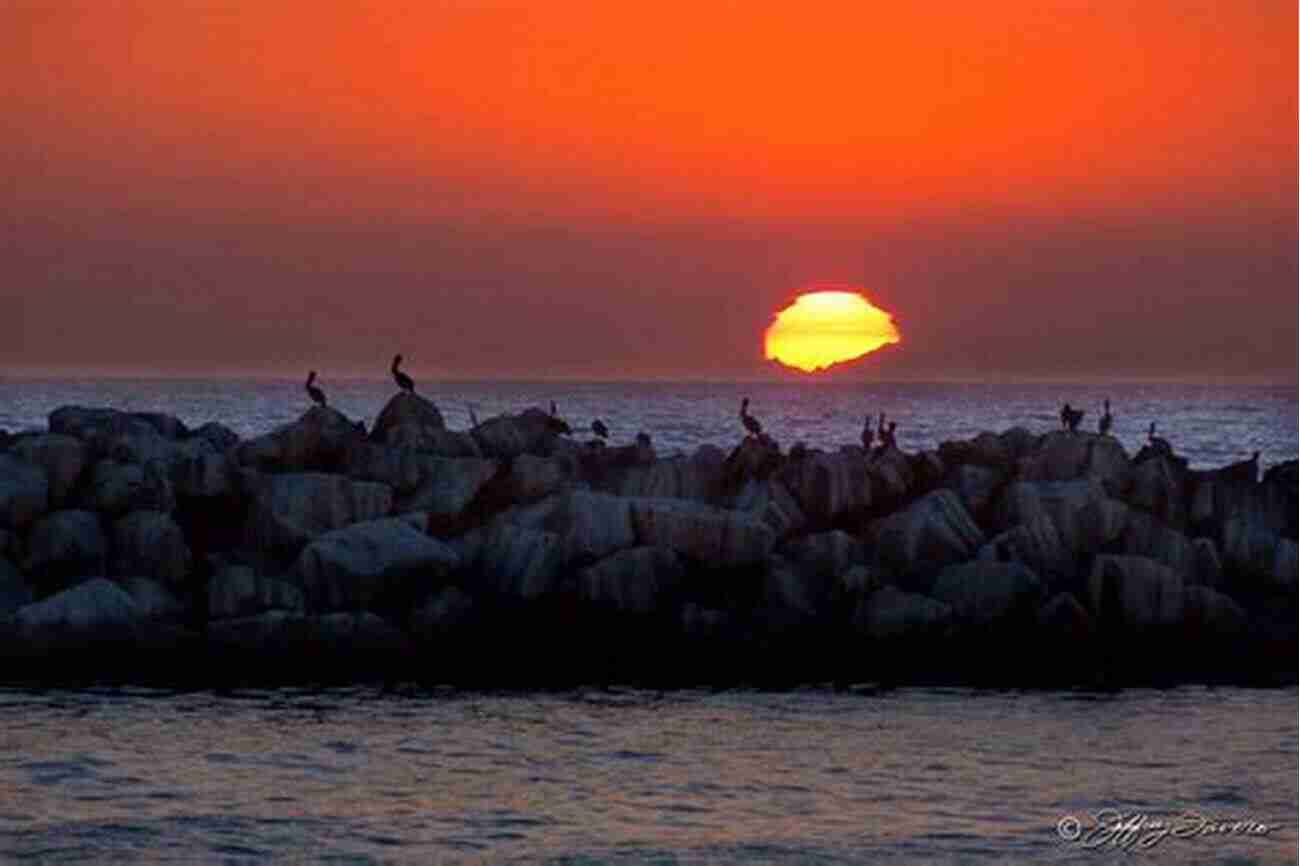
(1209, 424)
(813, 775)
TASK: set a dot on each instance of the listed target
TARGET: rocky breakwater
(513, 552)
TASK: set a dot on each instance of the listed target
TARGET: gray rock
(65, 544)
(1255, 556)
(116, 488)
(532, 478)
(14, 591)
(632, 580)
(713, 536)
(975, 485)
(238, 591)
(985, 593)
(507, 436)
(828, 486)
(449, 485)
(933, 532)
(88, 424)
(362, 564)
(891, 477)
(92, 611)
(150, 544)
(1146, 536)
(1160, 487)
(219, 436)
(860, 580)
(290, 510)
(406, 410)
(63, 459)
(589, 525)
(891, 613)
(1065, 456)
(24, 492)
(702, 623)
(319, 440)
(678, 478)
(1079, 510)
(824, 553)
(153, 601)
(1037, 545)
(520, 563)
(1136, 592)
(1209, 568)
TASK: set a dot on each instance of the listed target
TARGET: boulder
(793, 598)
(1065, 456)
(219, 436)
(633, 580)
(860, 580)
(677, 478)
(589, 525)
(115, 488)
(756, 457)
(63, 459)
(530, 432)
(14, 591)
(150, 544)
(772, 503)
(532, 478)
(985, 593)
(1136, 593)
(975, 485)
(1063, 616)
(891, 477)
(927, 470)
(93, 423)
(931, 533)
(824, 553)
(1211, 614)
(987, 450)
(520, 563)
(712, 536)
(448, 486)
(318, 441)
(1080, 510)
(1254, 556)
(406, 410)
(890, 613)
(238, 591)
(1146, 536)
(704, 623)
(24, 492)
(1280, 488)
(442, 613)
(1160, 487)
(66, 544)
(828, 486)
(290, 510)
(1037, 545)
(400, 468)
(368, 563)
(167, 426)
(97, 610)
(1209, 568)
(197, 468)
(153, 601)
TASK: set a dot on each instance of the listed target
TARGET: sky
(1034, 190)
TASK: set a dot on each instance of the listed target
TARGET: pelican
(868, 435)
(316, 394)
(1103, 425)
(750, 422)
(403, 381)
(1070, 417)
(598, 427)
(887, 439)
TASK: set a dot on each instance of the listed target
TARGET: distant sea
(1210, 424)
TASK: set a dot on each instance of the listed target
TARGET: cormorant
(1071, 417)
(598, 427)
(403, 381)
(750, 422)
(316, 394)
(1104, 425)
(868, 435)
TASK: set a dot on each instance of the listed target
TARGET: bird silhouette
(750, 422)
(404, 382)
(598, 427)
(316, 394)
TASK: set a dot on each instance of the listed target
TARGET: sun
(826, 327)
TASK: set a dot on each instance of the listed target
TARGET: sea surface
(1210, 424)
(808, 776)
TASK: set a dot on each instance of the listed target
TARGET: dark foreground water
(811, 776)
(1211, 425)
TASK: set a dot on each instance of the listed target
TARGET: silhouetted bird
(556, 423)
(750, 422)
(1071, 417)
(598, 427)
(868, 435)
(890, 440)
(403, 381)
(1104, 425)
(473, 419)
(316, 394)
(1157, 443)
(643, 440)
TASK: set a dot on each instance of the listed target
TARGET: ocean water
(1210, 424)
(810, 776)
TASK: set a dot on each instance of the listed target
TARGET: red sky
(1059, 190)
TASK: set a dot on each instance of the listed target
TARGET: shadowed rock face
(130, 529)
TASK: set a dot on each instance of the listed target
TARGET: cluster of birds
(407, 384)
(1071, 418)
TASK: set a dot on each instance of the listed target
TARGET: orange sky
(158, 151)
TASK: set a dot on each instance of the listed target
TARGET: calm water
(1212, 425)
(811, 776)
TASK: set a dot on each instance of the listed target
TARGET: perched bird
(1071, 417)
(598, 427)
(889, 440)
(868, 434)
(473, 419)
(403, 381)
(750, 422)
(1244, 470)
(316, 394)
(556, 423)
(1158, 443)
(1104, 425)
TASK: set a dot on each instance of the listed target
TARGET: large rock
(589, 525)
(824, 553)
(63, 458)
(518, 562)
(933, 532)
(532, 478)
(1146, 536)
(891, 613)
(891, 477)
(238, 591)
(1037, 545)
(772, 503)
(150, 544)
(290, 510)
(219, 436)
(115, 488)
(1065, 456)
(530, 432)
(795, 598)
(756, 457)
(24, 492)
(632, 580)
(1136, 593)
(409, 411)
(1080, 510)
(154, 602)
(448, 486)
(984, 593)
(828, 486)
(713, 536)
(975, 485)
(1160, 487)
(678, 478)
(14, 591)
(318, 441)
(66, 544)
(1255, 556)
(95, 423)
(367, 563)
(1209, 566)
(97, 610)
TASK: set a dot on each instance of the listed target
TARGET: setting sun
(822, 328)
